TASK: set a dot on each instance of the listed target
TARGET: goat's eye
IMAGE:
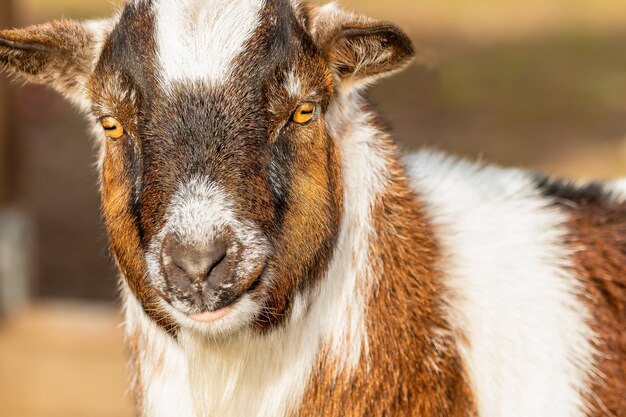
(112, 127)
(304, 113)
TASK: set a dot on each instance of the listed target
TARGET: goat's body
(485, 312)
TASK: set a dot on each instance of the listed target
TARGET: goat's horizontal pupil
(304, 113)
(112, 127)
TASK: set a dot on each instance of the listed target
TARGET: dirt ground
(63, 360)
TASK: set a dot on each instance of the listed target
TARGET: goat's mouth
(226, 296)
(218, 312)
(204, 293)
(210, 316)
(210, 305)
(222, 323)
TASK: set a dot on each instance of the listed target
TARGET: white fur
(619, 189)
(349, 278)
(293, 86)
(162, 375)
(529, 349)
(258, 376)
(197, 40)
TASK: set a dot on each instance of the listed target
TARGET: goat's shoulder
(484, 209)
(463, 188)
(488, 217)
(507, 215)
(597, 232)
(507, 266)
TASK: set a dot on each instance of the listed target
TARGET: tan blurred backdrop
(539, 84)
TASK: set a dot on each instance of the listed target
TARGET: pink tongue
(209, 316)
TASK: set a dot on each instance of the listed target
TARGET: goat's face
(230, 181)
(221, 184)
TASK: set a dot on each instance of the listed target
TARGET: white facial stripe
(198, 212)
(529, 348)
(197, 40)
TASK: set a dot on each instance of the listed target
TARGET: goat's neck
(381, 304)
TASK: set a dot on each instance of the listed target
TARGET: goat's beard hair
(214, 369)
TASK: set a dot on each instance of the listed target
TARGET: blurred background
(539, 84)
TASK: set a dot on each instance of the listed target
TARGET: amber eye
(112, 127)
(304, 113)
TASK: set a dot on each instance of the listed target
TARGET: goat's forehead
(200, 39)
(236, 50)
(206, 40)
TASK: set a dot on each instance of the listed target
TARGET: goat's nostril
(196, 265)
(187, 265)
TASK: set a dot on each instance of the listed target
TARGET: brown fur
(137, 388)
(598, 235)
(409, 340)
(314, 210)
(58, 53)
(358, 47)
(108, 95)
(123, 235)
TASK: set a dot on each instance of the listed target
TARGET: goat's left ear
(359, 49)
(61, 54)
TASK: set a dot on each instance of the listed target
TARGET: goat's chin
(220, 324)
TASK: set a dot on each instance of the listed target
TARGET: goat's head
(221, 178)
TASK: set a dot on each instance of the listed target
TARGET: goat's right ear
(61, 54)
(359, 49)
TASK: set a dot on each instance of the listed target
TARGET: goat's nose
(187, 266)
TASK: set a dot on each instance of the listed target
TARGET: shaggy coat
(279, 257)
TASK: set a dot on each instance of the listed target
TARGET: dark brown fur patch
(121, 164)
(597, 225)
(412, 367)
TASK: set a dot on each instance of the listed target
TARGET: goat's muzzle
(202, 275)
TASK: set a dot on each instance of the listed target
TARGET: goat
(279, 256)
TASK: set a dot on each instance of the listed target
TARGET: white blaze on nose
(197, 40)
